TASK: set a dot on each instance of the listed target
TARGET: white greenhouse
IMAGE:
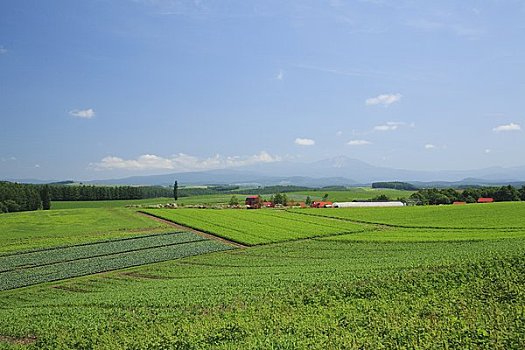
(367, 204)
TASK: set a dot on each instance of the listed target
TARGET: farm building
(321, 204)
(485, 200)
(367, 204)
(253, 202)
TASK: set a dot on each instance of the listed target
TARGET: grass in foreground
(41, 229)
(305, 294)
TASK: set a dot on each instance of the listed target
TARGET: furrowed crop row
(141, 236)
(93, 250)
(62, 270)
(198, 223)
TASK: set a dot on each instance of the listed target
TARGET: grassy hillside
(352, 285)
(41, 229)
(309, 294)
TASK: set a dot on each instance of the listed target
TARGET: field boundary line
(28, 267)
(22, 252)
(199, 232)
(407, 226)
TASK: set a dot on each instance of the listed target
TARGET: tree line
(435, 196)
(397, 185)
(20, 197)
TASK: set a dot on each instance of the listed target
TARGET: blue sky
(101, 89)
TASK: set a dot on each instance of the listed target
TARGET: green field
(108, 204)
(254, 227)
(418, 278)
(350, 194)
(479, 216)
(41, 229)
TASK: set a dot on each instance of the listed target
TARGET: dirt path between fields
(197, 232)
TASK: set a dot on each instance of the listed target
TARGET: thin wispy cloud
(430, 146)
(358, 143)
(2, 50)
(392, 126)
(304, 142)
(384, 99)
(280, 75)
(82, 113)
(181, 162)
(507, 127)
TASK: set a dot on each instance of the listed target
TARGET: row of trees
(397, 185)
(17, 197)
(469, 195)
(96, 193)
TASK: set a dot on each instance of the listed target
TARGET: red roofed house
(253, 202)
(485, 200)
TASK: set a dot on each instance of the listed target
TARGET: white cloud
(304, 142)
(385, 99)
(2, 50)
(389, 126)
(37, 165)
(358, 142)
(181, 162)
(488, 150)
(8, 159)
(82, 113)
(280, 75)
(339, 133)
(507, 127)
(430, 146)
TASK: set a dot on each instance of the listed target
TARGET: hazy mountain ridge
(334, 171)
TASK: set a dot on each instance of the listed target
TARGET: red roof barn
(485, 200)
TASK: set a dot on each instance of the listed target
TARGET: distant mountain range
(341, 171)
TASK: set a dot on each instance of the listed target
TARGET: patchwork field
(478, 216)
(362, 279)
(254, 227)
(41, 229)
(27, 268)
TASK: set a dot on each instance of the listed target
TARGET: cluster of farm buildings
(255, 202)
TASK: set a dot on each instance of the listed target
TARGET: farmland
(364, 278)
(254, 227)
(478, 216)
(27, 268)
(40, 229)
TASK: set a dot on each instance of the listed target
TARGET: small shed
(485, 200)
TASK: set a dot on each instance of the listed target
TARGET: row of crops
(258, 226)
(28, 268)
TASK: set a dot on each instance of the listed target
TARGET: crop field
(109, 203)
(40, 229)
(307, 294)
(27, 268)
(310, 282)
(350, 194)
(254, 227)
(479, 216)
